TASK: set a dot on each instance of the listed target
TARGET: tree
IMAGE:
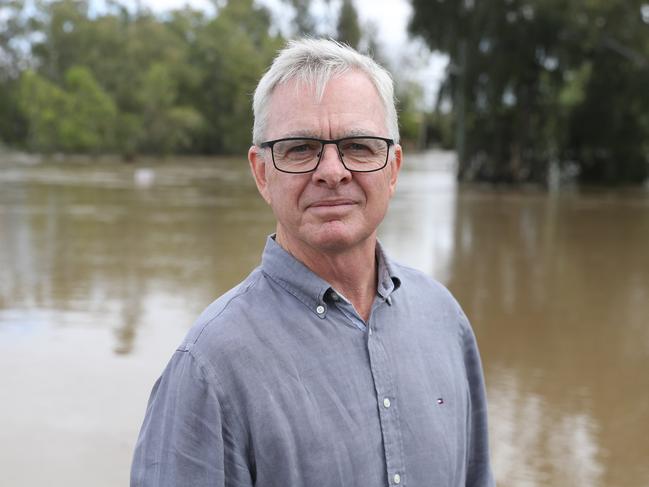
(166, 126)
(234, 49)
(88, 121)
(131, 82)
(43, 104)
(513, 65)
(14, 29)
(78, 118)
(303, 21)
(348, 30)
(609, 133)
(64, 37)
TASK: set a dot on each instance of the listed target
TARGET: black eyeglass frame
(270, 143)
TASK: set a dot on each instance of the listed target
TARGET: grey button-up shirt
(281, 383)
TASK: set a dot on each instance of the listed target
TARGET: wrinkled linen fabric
(281, 383)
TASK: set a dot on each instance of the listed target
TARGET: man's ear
(258, 169)
(395, 167)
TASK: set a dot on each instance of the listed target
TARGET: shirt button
(386, 403)
(335, 297)
(397, 478)
(319, 309)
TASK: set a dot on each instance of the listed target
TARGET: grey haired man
(331, 364)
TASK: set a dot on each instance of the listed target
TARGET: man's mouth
(331, 203)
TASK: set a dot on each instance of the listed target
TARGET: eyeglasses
(297, 155)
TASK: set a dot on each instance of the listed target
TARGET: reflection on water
(557, 289)
(103, 267)
(536, 443)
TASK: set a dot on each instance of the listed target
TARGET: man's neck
(351, 272)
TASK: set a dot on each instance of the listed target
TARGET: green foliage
(43, 104)
(131, 82)
(166, 127)
(88, 121)
(573, 92)
(74, 79)
(349, 31)
(13, 124)
(409, 97)
(303, 21)
(537, 81)
(14, 27)
(234, 49)
(78, 118)
(439, 130)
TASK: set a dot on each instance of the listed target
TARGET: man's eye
(356, 148)
(300, 148)
(359, 147)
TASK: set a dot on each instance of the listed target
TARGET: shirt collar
(388, 281)
(307, 286)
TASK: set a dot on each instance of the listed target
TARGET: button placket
(388, 414)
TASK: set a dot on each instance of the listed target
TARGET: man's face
(330, 209)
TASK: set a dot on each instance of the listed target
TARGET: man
(330, 365)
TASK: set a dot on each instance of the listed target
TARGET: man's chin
(335, 236)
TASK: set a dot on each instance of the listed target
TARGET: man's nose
(331, 170)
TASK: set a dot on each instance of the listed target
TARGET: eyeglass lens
(358, 154)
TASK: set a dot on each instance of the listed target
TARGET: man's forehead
(313, 90)
(349, 101)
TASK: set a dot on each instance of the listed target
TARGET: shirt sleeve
(184, 439)
(479, 472)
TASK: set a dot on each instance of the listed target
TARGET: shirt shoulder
(418, 284)
(225, 314)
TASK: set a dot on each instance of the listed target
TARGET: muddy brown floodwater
(104, 266)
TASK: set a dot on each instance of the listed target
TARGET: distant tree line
(543, 85)
(533, 87)
(130, 82)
